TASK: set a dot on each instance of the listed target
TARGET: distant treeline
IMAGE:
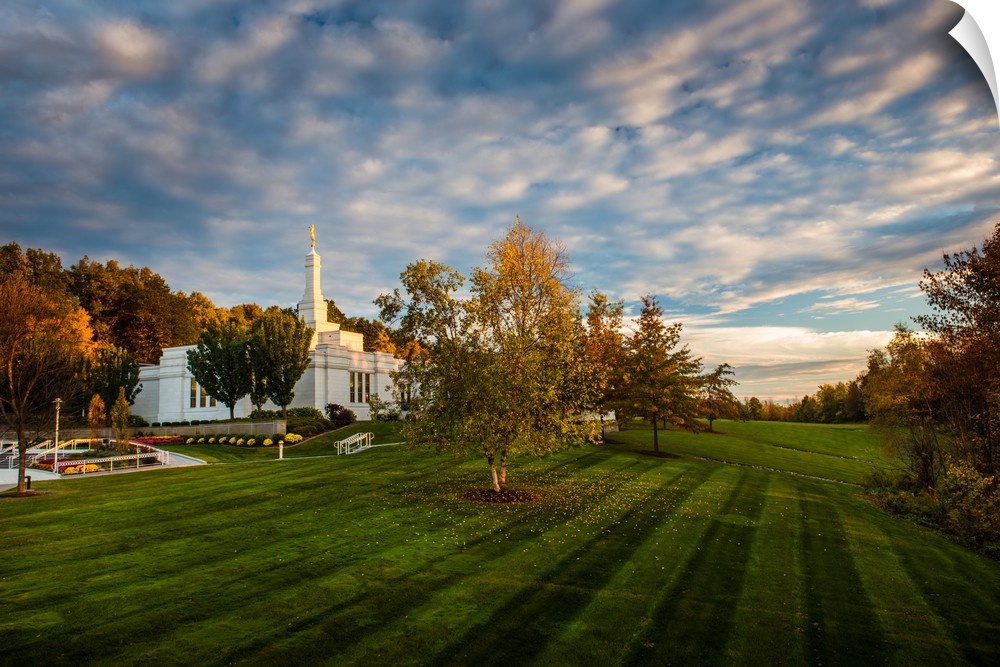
(841, 403)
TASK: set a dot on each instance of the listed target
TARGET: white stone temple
(339, 371)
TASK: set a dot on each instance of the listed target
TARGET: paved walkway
(8, 478)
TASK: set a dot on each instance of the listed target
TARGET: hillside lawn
(375, 558)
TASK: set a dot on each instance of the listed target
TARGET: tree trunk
(503, 467)
(22, 458)
(22, 464)
(493, 472)
(656, 436)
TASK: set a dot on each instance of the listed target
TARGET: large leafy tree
(491, 370)
(45, 342)
(221, 363)
(279, 354)
(965, 348)
(902, 402)
(717, 397)
(135, 309)
(661, 379)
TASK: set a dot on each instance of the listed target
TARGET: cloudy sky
(777, 172)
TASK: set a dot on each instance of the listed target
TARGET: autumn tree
(490, 372)
(661, 379)
(135, 309)
(220, 363)
(965, 348)
(901, 401)
(604, 350)
(119, 422)
(96, 418)
(717, 398)
(45, 342)
(278, 345)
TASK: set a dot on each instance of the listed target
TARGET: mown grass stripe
(912, 629)
(562, 593)
(694, 618)
(771, 611)
(843, 625)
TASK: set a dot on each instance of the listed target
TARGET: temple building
(339, 370)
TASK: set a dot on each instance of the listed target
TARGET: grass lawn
(836, 452)
(375, 558)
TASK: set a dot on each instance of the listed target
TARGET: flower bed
(241, 440)
(159, 439)
(81, 469)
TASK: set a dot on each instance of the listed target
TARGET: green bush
(339, 415)
(266, 415)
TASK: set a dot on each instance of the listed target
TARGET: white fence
(158, 457)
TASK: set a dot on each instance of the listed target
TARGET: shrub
(383, 411)
(268, 442)
(211, 441)
(135, 421)
(201, 440)
(339, 415)
(239, 442)
(189, 441)
(293, 438)
(305, 413)
(252, 442)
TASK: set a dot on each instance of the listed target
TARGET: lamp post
(55, 463)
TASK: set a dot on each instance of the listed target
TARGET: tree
(831, 401)
(965, 348)
(755, 408)
(119, 422)
(135, 309)
(492, 369)
(661, 380)
(96, 417)
(279, 354)
(114, 368)
(45, 342)
(604, 350)
(901, 402)
(221, 363)
(716, 396)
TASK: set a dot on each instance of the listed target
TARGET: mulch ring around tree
(502, 496)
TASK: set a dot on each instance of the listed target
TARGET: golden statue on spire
(312, 236)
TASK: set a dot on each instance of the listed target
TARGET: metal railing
(354, 444)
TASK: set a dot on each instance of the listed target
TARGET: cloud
(744, 161)
(130, 49)
(785, 362)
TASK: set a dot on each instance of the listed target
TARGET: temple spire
(312, 307)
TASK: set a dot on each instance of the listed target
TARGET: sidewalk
(8, 477)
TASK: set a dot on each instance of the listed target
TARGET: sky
(778, 173)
